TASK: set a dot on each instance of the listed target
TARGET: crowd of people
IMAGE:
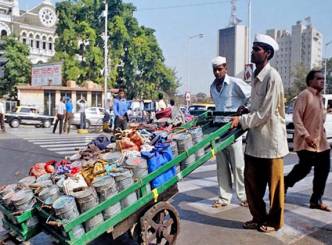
(260, 109)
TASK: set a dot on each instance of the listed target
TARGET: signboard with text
(46, 74)
(248, 72)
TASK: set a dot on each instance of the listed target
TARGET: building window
(65, 94)
(96, 99)
(31, 40)
(24, 40)
(37, 44)
(3, 33)
(50, 46)
(44, 42)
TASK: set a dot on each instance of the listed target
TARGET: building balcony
(5, 17)
(35, 51)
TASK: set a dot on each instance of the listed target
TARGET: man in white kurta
(228, 94)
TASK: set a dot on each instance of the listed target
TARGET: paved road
(200, 223)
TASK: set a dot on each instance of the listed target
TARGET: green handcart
(151, 219)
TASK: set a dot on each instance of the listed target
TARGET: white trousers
(230, 170)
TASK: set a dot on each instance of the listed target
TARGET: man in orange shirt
(310, 140)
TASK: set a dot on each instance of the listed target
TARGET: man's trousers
(321, 163)
(230, 166)
(258, 174)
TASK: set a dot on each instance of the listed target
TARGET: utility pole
(105, 54)
(249, 32)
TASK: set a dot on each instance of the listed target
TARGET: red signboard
(46, 74)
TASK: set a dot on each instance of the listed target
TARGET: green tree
(329, 76)
(17, 67)
(135, 59)
(299, 74)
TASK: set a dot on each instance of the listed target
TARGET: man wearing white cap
(266, 140)
(229, 93)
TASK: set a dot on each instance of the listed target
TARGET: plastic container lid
(7, 189)
(27, 180)
(123, 175)
(102, 181)
(47, 192)
(22, 196)
(7, 199)
(43, 177)
(63, 202)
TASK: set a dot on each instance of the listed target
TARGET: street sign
(187, 96)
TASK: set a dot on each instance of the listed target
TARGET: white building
(232, 44)
(35, 27)
(302, 46)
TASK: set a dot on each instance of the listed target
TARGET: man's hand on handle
(235, 121)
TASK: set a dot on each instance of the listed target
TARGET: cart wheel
(160, 224)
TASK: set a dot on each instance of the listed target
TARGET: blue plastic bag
(160, 155)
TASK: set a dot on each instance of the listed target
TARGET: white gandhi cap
(266, 39)
(219, 60)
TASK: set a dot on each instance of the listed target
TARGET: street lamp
(249, 32)
(200, 35)
(326, 44)
(105, 54)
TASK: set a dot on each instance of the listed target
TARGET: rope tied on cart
(155, 194)
(213, 152)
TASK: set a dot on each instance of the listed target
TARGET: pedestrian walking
(81, 109)
(2, 116)
(228, 94)
(160, 105)
(120, 108)
(266, 140)
(68, 116)
(310, 142)
(61, 110)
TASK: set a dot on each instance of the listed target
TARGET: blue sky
(175, 21)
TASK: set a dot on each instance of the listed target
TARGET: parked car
(94, 117)
(327, 102)
(28, 115)
(197, 109)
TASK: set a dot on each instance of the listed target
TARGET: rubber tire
(47, 124)
(15, 123)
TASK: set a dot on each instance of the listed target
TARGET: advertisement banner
(46, 74)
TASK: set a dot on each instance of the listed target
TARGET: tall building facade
(232, 44)
(35, 27)
(301, 46)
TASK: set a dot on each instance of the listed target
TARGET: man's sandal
(320, 206)
(266, 228)
(219, 204)
(250, 225)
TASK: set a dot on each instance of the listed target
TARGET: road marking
(61, 145)
(66, 153)
(65, 145)
(60, 142)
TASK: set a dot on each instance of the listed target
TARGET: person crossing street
(61, 110)
(229, 93)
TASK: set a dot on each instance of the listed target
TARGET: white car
(327, 101)
(94, 117)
